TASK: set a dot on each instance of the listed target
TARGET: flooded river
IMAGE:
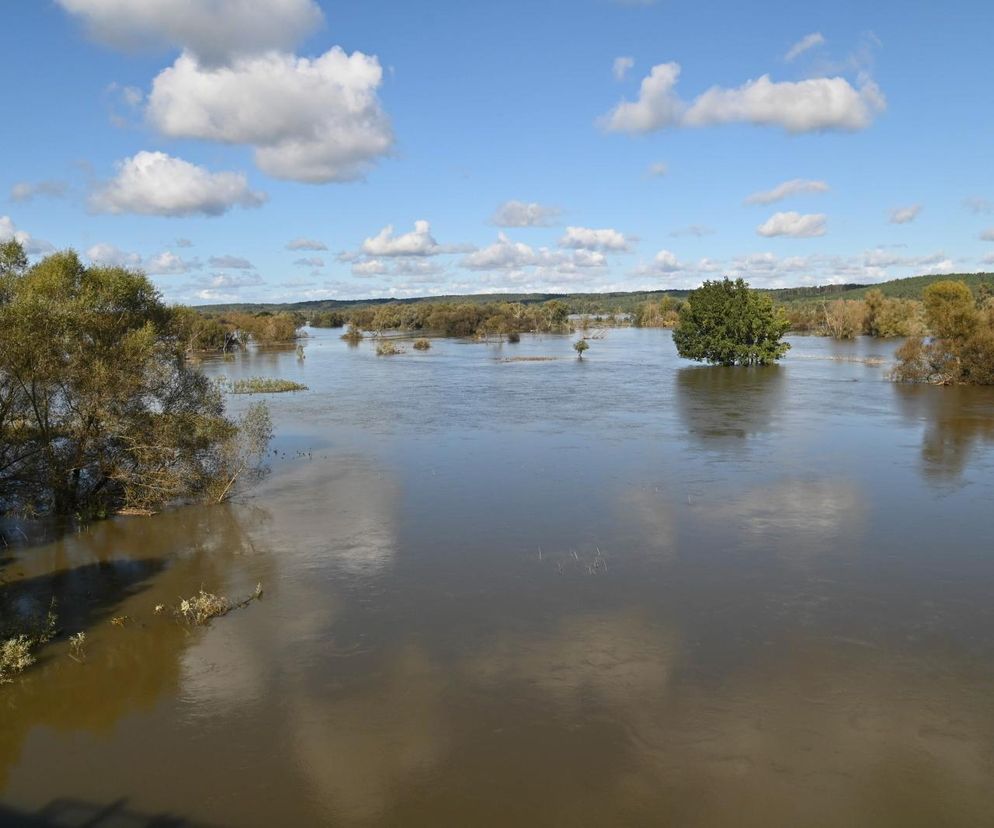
(627, 590)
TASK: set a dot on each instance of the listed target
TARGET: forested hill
(910, 288)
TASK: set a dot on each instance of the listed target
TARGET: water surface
(628, 590)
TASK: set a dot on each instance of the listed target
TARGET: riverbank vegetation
(961, 347)
(99, 409)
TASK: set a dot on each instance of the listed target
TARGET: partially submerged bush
(422, 344)
(353, 335)
(580, 346)
(15, 657)
(202, 607)
(265, 385)
(387, 348)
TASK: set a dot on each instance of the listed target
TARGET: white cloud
(31, 245)
(505, 254)
(524, 214)
(988, 234)
(793, 224)
(230, 263)
(215, 31)
(370, 267)
(107, 255)
(309, 261)
(796, 106)
(234, 281)
(306, 244)
(26, 191)
(978, 205)
(664, 263)
(586, 238)
(904, 215)
(802, 45)
(621, 66)
(796, 186)
(419, 242)
(311, 120)
(659, 169)
(168, 263)
(153, 183)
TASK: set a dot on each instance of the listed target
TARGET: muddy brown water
(628, 590)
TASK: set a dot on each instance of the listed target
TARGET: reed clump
(265, 385)
(387, 348)
(422, 344)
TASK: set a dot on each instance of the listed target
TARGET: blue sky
(506, 145)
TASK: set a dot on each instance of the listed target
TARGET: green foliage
(950, 310)
(580, 346)
(844, 318)
(726, 323)
(662, 314)
(98, 408)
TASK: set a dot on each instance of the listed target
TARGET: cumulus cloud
(214, 31)
(419, 242)
(370, 267)
(234, 281)
(31, 245)
(905, 215)
(586, 238)
(802, 45)
(793, 224)
(659, 169)
(664, 263)
(107, 255)
(524, 214)
(808, 105)
(153, 183)
(168, 263)
(27, 191)
(621, 66)
(505, 254)
(309, 261)
(230, 263)
(301, 243)
(796, 186)
(311, 120)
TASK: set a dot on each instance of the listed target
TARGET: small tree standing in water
(580, 346)
(726, 323)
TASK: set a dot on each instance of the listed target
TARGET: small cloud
(524, 214)
(802, 45)
(693, 230)
(107, 255)
(796, 186)
(302, 243)
(310, 261)
(26, 191)
(586, 238)
(230, 263)
(905, 215)
(794, 225)
(988, 234)
(978, 205)
(183, 243)
(659, 169)
(621, 66)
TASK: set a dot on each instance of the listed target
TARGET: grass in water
(421, 344)
(265, 385)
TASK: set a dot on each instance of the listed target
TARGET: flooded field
(623, 590)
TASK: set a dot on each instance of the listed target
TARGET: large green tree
(726, 323)
(98, 408)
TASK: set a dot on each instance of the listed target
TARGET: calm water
(629, 590)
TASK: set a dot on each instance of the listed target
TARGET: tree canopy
(98, 407)
(726, 323)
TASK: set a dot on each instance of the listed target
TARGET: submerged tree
(726, 323)
(580, 346)
(98, 408)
